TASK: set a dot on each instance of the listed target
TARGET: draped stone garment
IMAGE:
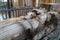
(42, 33)
(9, 30)
(42, 18)
(49, 33)
(30, 23)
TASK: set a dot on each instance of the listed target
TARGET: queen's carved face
(33, 14)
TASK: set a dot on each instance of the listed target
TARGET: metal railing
(14, 12)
